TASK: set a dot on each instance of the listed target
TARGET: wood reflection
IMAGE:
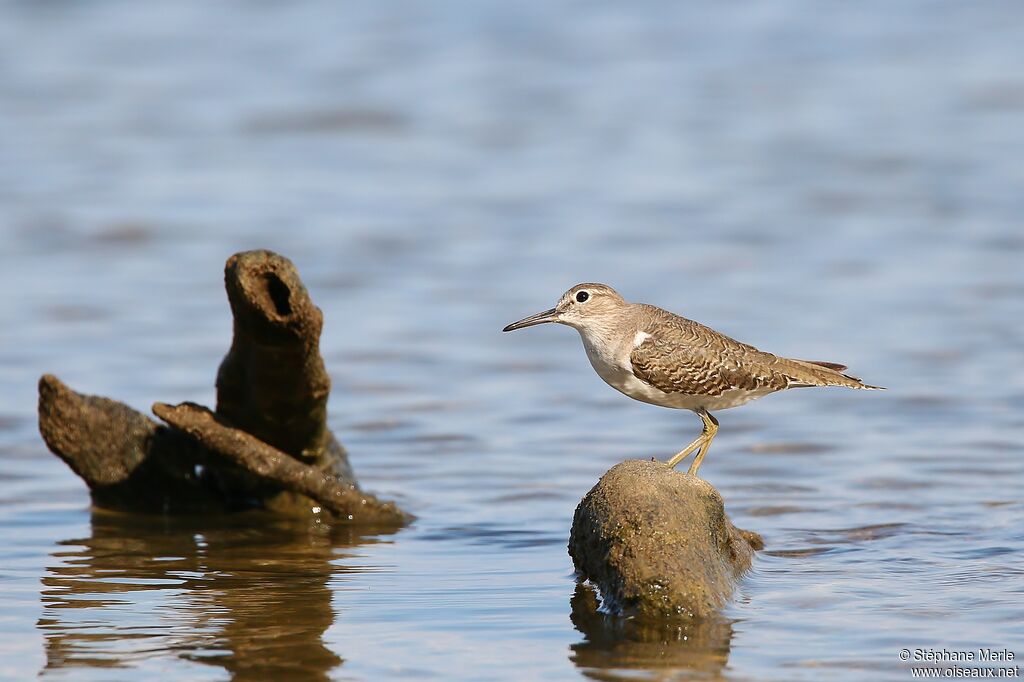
(250, 593)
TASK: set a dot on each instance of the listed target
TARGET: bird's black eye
(582, 296)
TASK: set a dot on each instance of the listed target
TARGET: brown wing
(684, 356)
(710, 370)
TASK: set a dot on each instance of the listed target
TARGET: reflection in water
(834, 184)
(619, 648)
(248, 592)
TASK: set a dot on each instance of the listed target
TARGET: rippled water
(839, 181)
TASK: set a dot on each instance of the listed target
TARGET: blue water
(837, 181)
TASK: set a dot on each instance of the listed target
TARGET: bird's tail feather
(830, 365)
(816, 373)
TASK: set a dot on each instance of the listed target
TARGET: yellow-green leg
(710, 429)
(682, 454)
(702, 442)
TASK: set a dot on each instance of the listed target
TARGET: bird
(658, 357)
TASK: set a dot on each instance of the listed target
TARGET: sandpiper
(658, 357)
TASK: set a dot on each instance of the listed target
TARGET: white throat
(605, 351)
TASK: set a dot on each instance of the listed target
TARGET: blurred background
(831, 180)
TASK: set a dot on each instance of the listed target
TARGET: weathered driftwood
(272, 383)
(657, 543)
(272, 390)
(277, 468)
(127, 459)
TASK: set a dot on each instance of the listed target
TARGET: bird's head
(582, 307)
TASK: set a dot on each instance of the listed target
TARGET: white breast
(613, 365)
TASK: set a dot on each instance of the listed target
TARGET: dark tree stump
(267, 444)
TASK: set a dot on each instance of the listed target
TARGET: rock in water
(657, 543)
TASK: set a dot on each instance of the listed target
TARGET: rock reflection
(249, 593)
(619, 648)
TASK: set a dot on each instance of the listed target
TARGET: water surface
(833, 181)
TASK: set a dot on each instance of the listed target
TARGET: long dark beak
(539, 318)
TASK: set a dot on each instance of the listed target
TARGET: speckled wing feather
(673, 367)
(683, 356)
